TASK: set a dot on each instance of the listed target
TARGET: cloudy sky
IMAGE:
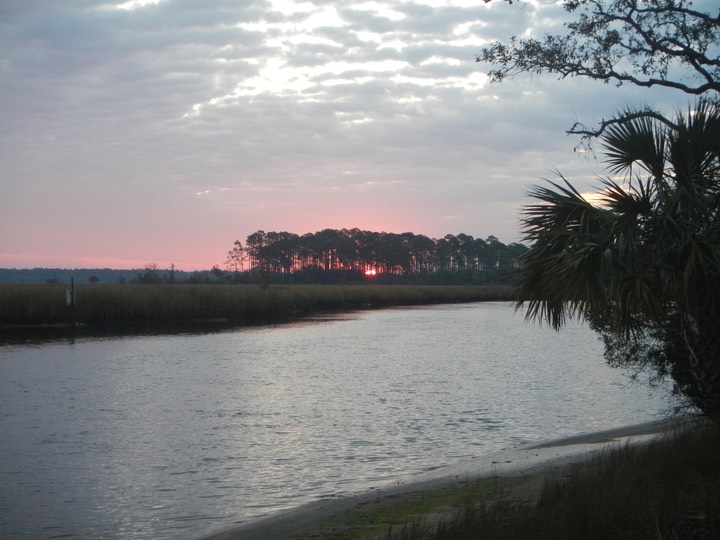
(159, 131)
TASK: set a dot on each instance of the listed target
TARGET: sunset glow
(151, 131)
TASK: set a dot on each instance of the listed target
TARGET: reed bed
(111, 304)
(667, 489)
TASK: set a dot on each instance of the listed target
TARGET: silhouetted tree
(653, 43)
(236, 257)
(643, 266)
(347, 254)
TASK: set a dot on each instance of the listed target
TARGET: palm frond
(558, 273)
(561, 208)
(633, 201)
(635, 141)
(694, 150)
(698, 268)
(645, 263)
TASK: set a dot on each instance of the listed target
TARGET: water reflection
(171, 436)
(41, 334)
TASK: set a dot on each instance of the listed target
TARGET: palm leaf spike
(559, 279)
(637, 141)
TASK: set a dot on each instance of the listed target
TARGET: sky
(160, 131)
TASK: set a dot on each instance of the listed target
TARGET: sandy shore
(529, 464)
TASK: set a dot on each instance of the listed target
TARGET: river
(176, 436)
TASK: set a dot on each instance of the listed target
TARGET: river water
(176, 436)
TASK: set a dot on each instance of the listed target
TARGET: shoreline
(530, 463)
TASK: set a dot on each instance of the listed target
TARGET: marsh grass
(667, 489)
(405, 515)
(109, 304)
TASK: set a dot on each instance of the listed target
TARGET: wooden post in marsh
(70, 301)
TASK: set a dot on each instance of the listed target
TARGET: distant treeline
(349, 255)
(150, 274)
(327, 256)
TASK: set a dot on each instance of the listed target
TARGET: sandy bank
(529, 463)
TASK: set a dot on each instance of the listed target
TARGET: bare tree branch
(580, 129)
(650, 38)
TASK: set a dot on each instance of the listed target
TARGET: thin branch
(648, 113)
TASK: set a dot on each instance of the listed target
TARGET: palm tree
(642, 265)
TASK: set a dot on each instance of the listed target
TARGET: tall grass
(665, 490)
(108, 304)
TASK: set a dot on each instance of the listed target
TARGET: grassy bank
(667, 489)
(117, 304)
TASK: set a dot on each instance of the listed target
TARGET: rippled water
(178, 436)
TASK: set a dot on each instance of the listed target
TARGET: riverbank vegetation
(642, 265)
(115, 304)
(669, 488)
(638, 259)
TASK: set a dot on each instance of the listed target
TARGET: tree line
(333, 255)
(150, 274)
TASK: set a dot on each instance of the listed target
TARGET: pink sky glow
(159, 132)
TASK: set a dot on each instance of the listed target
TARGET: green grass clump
(407, 513)
(666, 489)
(111, 304)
